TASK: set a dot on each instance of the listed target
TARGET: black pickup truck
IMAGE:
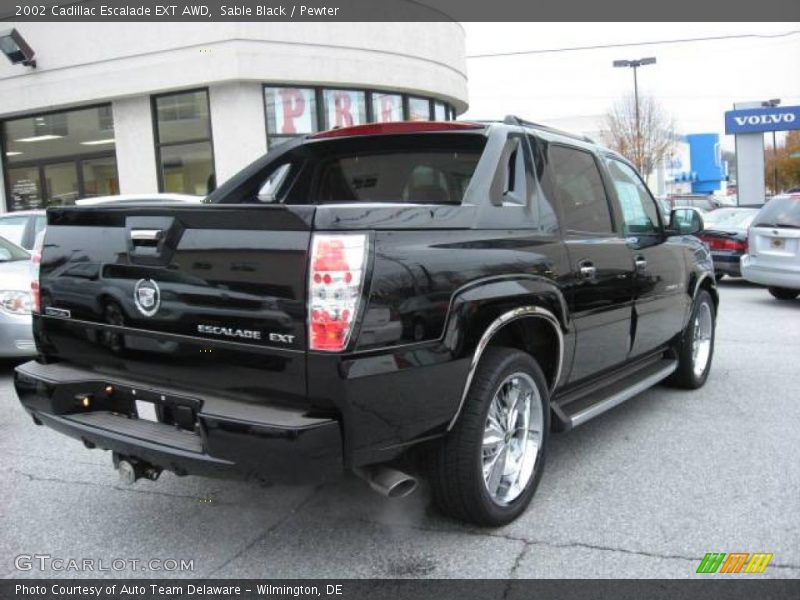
(459, 289)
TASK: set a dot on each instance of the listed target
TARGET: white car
(16, 332)
(773, 257)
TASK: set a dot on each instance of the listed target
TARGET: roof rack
(515, 120)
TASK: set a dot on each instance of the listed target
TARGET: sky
(696, 82)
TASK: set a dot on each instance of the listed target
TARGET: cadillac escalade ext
(456, 289)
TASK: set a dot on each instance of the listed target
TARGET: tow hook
(130, 469)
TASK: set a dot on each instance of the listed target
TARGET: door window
(579, 190)
(639, 210)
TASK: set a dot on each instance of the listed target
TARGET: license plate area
(164, 408)
(146, 410)
(777, 243)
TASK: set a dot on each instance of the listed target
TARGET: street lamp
(773, 102)
(635, 64)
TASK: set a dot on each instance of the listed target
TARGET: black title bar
(398, 10)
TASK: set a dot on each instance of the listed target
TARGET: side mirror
(686, 221)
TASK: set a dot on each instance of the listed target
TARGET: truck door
(660, 297)
(599, 283)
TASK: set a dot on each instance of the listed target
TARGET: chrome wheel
(512, 437)
(703, 329)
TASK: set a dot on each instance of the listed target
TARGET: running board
(588, 406)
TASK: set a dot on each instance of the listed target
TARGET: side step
(584, 405)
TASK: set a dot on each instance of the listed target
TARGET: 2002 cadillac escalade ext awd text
(456, 288)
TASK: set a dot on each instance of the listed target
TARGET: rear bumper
(263, 443)
(727, 263)
(774, 277)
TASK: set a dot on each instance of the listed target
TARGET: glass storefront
(296, 111)
(51, 158)
(183, 143)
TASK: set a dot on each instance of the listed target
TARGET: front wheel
(696, 345)
(488, 467)
(783, 293)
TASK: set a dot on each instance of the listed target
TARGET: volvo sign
(758, 120)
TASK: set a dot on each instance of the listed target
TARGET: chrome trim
(700, 280)
(620, 397)
(523, 312)
(146, 235)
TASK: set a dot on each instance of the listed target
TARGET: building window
(183, 143)
(440, 111)
(51, 158)
(344, 108)
(419, 109)
(387, 107)
(290, 112)
(297, 111)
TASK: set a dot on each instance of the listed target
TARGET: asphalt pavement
(642, 491)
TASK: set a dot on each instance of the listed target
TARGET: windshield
(11, 252)
(779, 212)
(730, 218)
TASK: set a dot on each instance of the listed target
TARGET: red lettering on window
(342, 103)
(387, 107)
(294, 105)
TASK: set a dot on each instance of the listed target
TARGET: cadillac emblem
(147, 297)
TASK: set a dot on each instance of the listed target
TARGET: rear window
(732, 218)
(779, 212)
(430, 168)
(439, 177)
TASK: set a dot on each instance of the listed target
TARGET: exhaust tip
(402, 488)
(387, 481)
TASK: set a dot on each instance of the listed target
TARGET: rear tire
(696, 345)
(783, 293)
(488, 467)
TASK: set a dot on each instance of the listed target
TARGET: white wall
(80, 63)
(238, 126)
(136, 155)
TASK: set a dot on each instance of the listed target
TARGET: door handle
(586, 269)
(146, 236)
(640, 262)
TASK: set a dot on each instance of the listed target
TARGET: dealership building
(128, 108)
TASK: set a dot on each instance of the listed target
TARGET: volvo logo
(147, 297)
(767, 119)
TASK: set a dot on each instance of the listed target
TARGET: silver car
(773, 257)
(16, 331)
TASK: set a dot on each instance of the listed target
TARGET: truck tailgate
(208, 297)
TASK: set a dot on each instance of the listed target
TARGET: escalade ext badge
(248, 334)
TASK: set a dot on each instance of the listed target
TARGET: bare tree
(646, 145)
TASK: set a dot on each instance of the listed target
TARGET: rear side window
(579, 190)
(439, 177)
(781, 211)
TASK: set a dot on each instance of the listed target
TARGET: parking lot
(643, 491)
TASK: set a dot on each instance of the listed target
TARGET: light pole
(770, 104)
(635, 64)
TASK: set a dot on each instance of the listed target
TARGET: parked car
(773, 257)
(16, 333)
(701, 201)
(21, 227)
(725, 234)
(449, 289)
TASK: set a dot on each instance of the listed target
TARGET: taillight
(36, 261)
(336, 278)
(715, 243)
